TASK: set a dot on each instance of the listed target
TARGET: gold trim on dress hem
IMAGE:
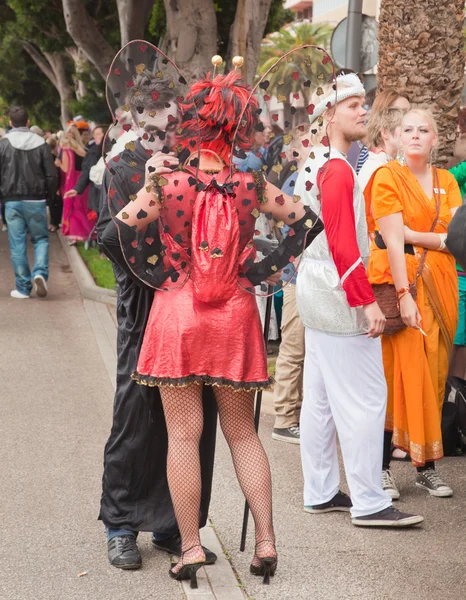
(140, 380)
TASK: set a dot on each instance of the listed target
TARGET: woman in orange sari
(405, 197)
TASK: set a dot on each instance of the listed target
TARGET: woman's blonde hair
(385, 99)
(385, 120)
(72, 139)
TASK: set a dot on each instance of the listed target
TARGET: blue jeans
(23, 217)
(111, 533)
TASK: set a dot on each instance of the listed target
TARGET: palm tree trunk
(421, 54)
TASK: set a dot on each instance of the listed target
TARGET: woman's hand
(410, 312)
(70, 194)
(274, 278)
(160, 163)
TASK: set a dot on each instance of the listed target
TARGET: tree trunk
(53, 67)
(57, 62)
(191, 38)
(86, 36)
(80, 67)
(246, 34)
(133, 16)
(421, 54)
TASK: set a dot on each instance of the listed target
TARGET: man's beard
(354, 136)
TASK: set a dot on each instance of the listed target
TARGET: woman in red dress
(204, 328)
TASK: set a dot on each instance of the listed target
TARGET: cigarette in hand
(423, 332)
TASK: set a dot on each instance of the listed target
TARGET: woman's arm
(142, 211)
(429, 241)
(281, 206)
(146, 207)
(393, 233)
(65, 162)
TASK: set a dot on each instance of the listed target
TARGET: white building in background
(328, 11)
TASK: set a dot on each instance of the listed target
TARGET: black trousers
(135, 492)
(387, 454)
(56, 210)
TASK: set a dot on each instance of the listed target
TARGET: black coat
(135, 492)
(27, 169)
(92, 157)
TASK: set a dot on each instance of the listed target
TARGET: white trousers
(344, 392)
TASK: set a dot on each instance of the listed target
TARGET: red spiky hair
(220, 103)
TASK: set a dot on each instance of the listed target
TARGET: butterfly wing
(148, 119)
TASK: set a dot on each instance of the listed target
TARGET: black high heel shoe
(268, 565)
(188, 571)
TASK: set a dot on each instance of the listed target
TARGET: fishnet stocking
(236, 412)
(184, 417)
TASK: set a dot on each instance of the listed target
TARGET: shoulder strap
(422, 262)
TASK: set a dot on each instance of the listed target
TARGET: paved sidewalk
(56, 405)
(56, 398)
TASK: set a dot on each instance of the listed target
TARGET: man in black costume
(135, 493)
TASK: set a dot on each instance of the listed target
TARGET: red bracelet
(402, 292)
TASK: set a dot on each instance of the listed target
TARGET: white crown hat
(353, 87)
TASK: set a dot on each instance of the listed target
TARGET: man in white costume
(344, 385)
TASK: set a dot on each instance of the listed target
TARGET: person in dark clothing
(135, 494)
(56, 205)
(92, 157)
(27, 181)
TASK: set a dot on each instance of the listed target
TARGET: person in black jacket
(135, 494)
(27, 180)
(92, 157)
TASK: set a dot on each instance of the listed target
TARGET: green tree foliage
(41, 23)
(279, 43)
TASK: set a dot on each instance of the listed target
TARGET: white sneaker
(389, 485)
(40, 286)
(4, 228)
(18, 295)
(430, 481)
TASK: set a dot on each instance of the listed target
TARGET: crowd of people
(369, 326)
(57, 175)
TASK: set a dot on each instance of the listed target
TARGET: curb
(87, 286)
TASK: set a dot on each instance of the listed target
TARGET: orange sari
(415, 366)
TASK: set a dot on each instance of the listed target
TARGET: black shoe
(267, 567)
(341, 502)
(187, 571)
(389, 517)
(172, 545)
(123, 552)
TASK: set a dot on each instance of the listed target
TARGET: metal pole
(354, 35)
(268, 312)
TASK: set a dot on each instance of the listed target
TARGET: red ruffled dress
(192, 341)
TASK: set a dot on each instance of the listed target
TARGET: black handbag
(456, 238)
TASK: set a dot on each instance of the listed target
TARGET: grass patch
(100, 268)
(271, 367)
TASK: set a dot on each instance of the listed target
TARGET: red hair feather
(220, 102)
